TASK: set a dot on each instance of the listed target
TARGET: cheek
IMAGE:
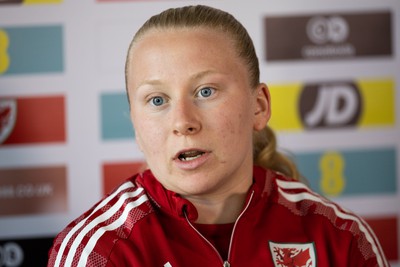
(148, 135)
(239, 115)
(234, 125)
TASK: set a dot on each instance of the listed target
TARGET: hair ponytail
(266, 155)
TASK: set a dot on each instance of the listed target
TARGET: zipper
(234, 227)
(205, 239)
(224, 263)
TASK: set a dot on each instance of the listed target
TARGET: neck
(220, 209)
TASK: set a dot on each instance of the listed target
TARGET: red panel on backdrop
(33, 190)
(26, 120)
(117, 172)
(386, 231)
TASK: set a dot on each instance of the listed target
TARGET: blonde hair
(264, 142)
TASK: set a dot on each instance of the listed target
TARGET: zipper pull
(226, 264)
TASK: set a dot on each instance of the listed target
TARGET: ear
(262, 112)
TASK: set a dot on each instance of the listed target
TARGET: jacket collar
(172, 203)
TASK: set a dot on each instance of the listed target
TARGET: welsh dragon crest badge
(8, 116)
(293, 254)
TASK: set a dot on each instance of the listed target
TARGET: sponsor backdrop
(333, 68)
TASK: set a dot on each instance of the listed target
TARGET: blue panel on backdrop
(115, 118)
(33, 49)
(356, 172)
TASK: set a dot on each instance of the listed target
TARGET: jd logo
(330, 105)
(8, 115)
(11, 255)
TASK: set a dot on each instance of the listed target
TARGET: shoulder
(95, 232)
(304, 202)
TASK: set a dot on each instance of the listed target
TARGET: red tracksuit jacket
(283, 224)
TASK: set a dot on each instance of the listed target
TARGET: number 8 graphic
(4, 57)
(332, 177)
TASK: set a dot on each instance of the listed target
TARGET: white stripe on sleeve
(105, 216)
(117, 223)
(81, 223)
(369, 234)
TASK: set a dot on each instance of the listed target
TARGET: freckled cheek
(150, 135)
(228, 128)
(234, 126)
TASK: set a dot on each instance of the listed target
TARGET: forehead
(200, 38)
(175, 45)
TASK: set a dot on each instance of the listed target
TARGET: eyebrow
(202, 74)
(196, 76)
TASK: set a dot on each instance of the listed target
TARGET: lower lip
(192, 164)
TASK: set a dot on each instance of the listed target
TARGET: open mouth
(190, 155)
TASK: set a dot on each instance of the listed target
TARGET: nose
(185, 118)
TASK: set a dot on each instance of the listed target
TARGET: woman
(197, 106)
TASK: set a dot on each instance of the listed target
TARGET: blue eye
(206, 92)
(157, 101)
